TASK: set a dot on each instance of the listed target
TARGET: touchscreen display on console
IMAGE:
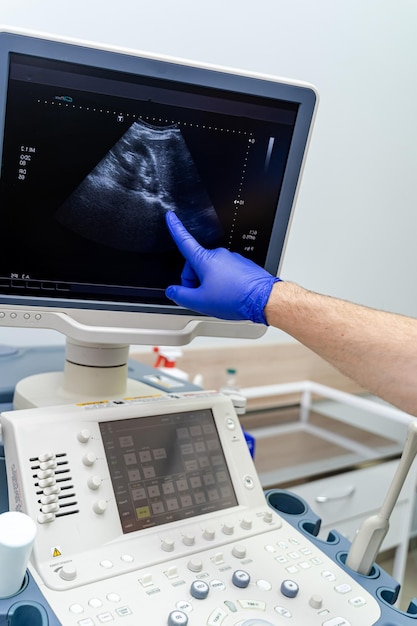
(166, 467)
(94, 158)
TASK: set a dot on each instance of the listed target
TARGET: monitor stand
(93, 372)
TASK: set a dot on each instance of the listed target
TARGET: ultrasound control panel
(149, 511)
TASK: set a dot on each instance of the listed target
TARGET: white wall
(353, 234)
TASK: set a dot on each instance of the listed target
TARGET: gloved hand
(218, 283)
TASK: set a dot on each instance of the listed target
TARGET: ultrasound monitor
(96, 146)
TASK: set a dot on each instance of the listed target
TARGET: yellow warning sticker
(92, 403)
(56, 552)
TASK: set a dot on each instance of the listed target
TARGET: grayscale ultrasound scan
(123, 200)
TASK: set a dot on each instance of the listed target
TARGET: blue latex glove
(218, 283)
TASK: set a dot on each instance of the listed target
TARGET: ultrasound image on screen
(92, 161)
(166, 468)
(122, 202)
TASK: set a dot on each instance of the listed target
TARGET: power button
(230, 423)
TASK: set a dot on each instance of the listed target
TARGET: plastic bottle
(231, 383)
(166, 361)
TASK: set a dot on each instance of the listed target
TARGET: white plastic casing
(90, 572)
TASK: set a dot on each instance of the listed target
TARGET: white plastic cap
(17, 534)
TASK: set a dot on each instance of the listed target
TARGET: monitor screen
(166, 467)
(96, 147)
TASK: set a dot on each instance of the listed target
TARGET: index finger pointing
(186, 243)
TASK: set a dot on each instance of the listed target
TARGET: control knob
(289, 588)
(256, 622)
(84, 435)
(177, 618)
(100, 507)
(316, 601)
(199, 589)
(188, 539)
(240, 578)
(195, 565)
(239, 551)
(167, 544)
(89, 459)
(68, 572)
(228, 529)
(246, 523)
(209, 533)
(94, 482)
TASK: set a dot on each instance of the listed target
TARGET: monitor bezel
(137, 321)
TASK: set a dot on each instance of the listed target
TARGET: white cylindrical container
(17, 534)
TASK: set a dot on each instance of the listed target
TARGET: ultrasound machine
(142, 503)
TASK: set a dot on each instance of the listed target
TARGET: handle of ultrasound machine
(60, 321)
(367, 542)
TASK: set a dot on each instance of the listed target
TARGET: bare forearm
(376, 349)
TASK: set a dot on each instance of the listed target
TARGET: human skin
(377, 349)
